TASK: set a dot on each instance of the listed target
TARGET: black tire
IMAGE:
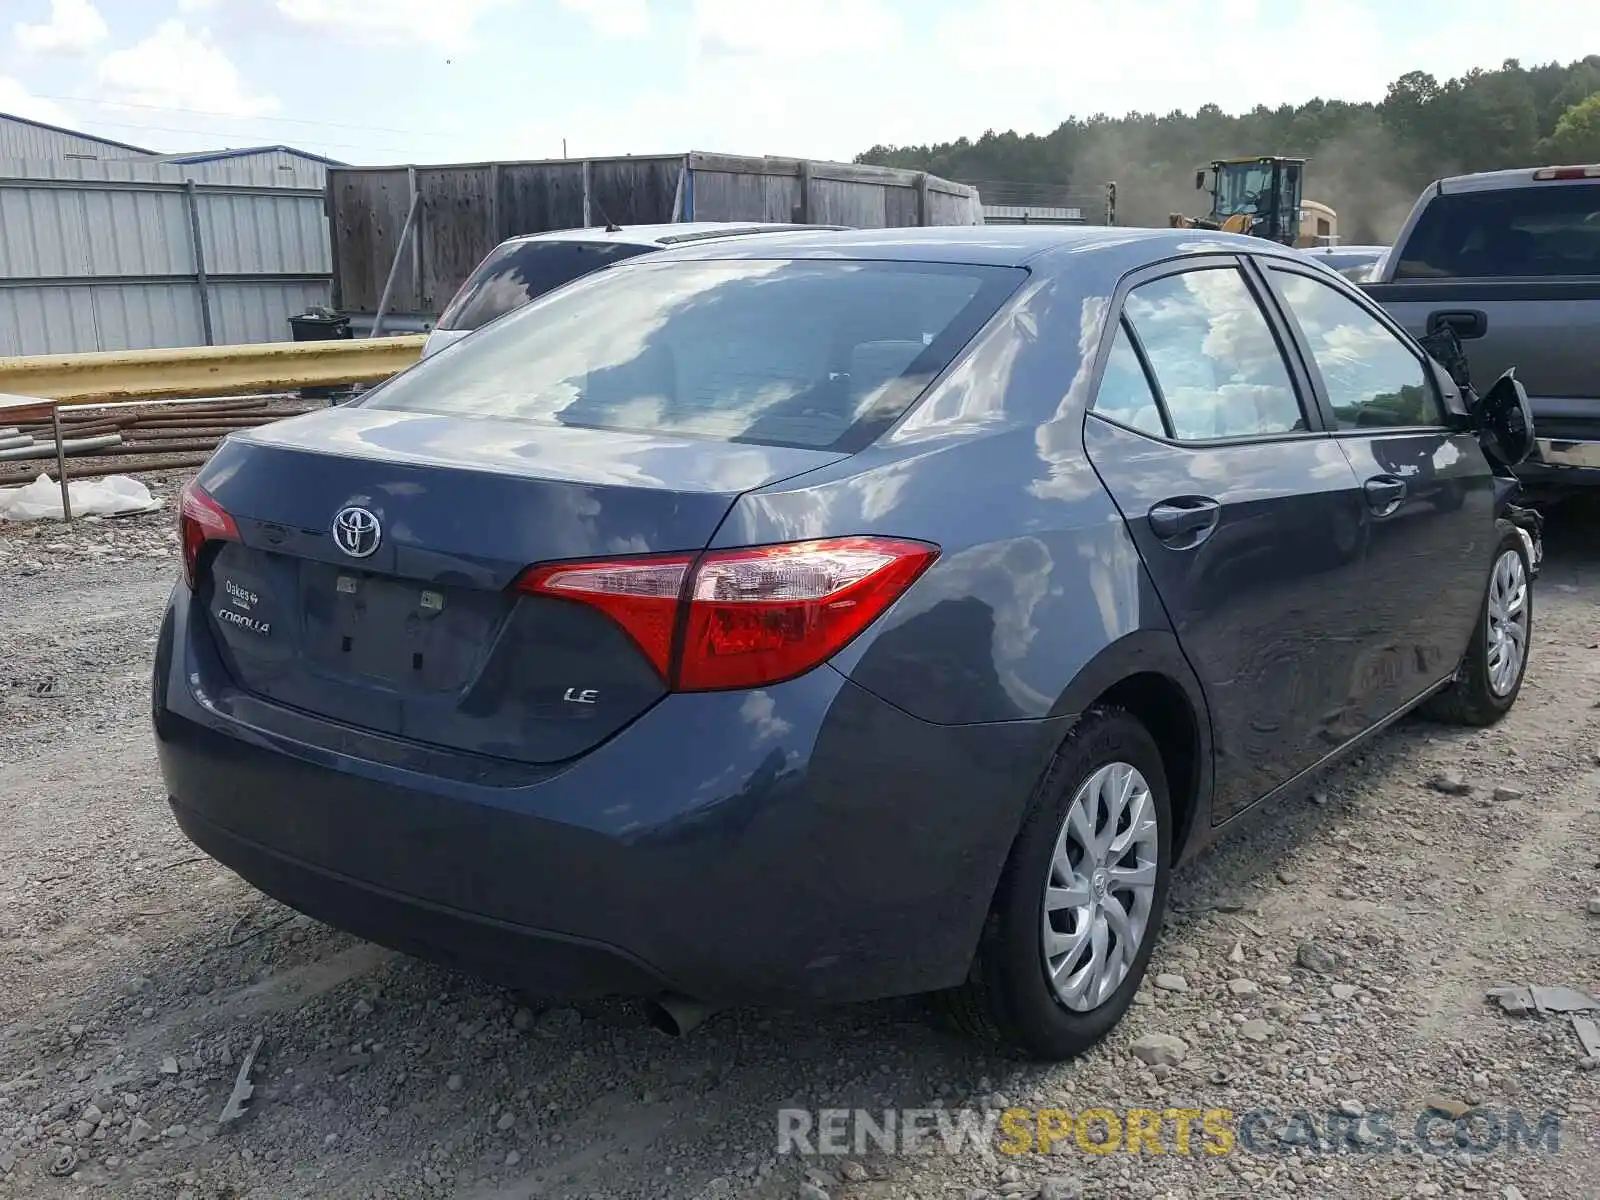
(1470, 700)
(1007, 997)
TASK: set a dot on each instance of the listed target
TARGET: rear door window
(1214, 357)
(519, 272)
(1541, 230)
(819, 354)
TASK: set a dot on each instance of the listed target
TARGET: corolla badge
(356, 531)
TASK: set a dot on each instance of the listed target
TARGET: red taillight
(773, 612)
(1592, 172)
(748, 617)
(200, 520)
(640, 594)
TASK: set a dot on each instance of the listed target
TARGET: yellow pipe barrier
(207, 370)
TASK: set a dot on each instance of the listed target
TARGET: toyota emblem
(356, 531)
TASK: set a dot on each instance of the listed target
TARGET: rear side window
(819, 354)
(1529, 232)
(1125, 395)
(1213, 355)
(523, 271)
(1372, 378)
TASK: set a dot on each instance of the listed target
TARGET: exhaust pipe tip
(675, 1015)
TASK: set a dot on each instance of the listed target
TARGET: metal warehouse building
(110, 246)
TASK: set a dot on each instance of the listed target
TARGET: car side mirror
(1199, 180)
(1505, 420)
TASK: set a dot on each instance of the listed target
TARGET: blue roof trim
(206, 156)
(77, 133)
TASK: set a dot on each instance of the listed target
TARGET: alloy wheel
(1101, 886)
(1508, 622)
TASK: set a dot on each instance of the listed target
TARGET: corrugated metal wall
(276, 168)
(24, 139)
(101, 256)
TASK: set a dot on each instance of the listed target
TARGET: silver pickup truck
(1511, 261)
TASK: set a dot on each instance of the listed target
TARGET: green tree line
(1369, 161)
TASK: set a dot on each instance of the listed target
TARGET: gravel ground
(1325, 968)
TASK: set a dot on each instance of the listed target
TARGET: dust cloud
(1360, 175)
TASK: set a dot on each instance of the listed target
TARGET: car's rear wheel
(1491, 674)
(1080, 901)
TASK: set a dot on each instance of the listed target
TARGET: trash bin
(319, 324)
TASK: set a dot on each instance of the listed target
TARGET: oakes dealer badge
(244, 602)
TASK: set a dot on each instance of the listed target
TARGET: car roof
(659, 235)
(1035, 246)
(1495, 181)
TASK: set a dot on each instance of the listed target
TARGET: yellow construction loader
(1260, 196)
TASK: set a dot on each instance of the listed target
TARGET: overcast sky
(459, 80)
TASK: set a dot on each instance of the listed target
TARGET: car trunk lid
(408, 623)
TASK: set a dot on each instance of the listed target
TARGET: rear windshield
(1537, 231)
(512, 275)
(819, 354)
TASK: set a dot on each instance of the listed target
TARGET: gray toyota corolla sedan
(834, 615)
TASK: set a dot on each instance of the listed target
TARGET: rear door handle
(1468, 323)
(1187, 518)
(1385, 493)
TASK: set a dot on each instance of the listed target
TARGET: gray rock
(810, 1191)
(1172, 983)
(1244, 987)
(455, 1083)
(1155, 1048)
(558, 1021)
(513, 1158)
(362, 1008)
(1236, 955)
(1060, 1187)
(1255, 1030)
(1449, 784)
(169, 1065)
(1344, 991)
(506, 1122)
(1352, 1108)
(1507, 794)
(1594, 906)
(140, 1131)
(1314, 958)
(853, 1171)
(522, 1020)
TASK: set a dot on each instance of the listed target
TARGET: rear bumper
(804, 842)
